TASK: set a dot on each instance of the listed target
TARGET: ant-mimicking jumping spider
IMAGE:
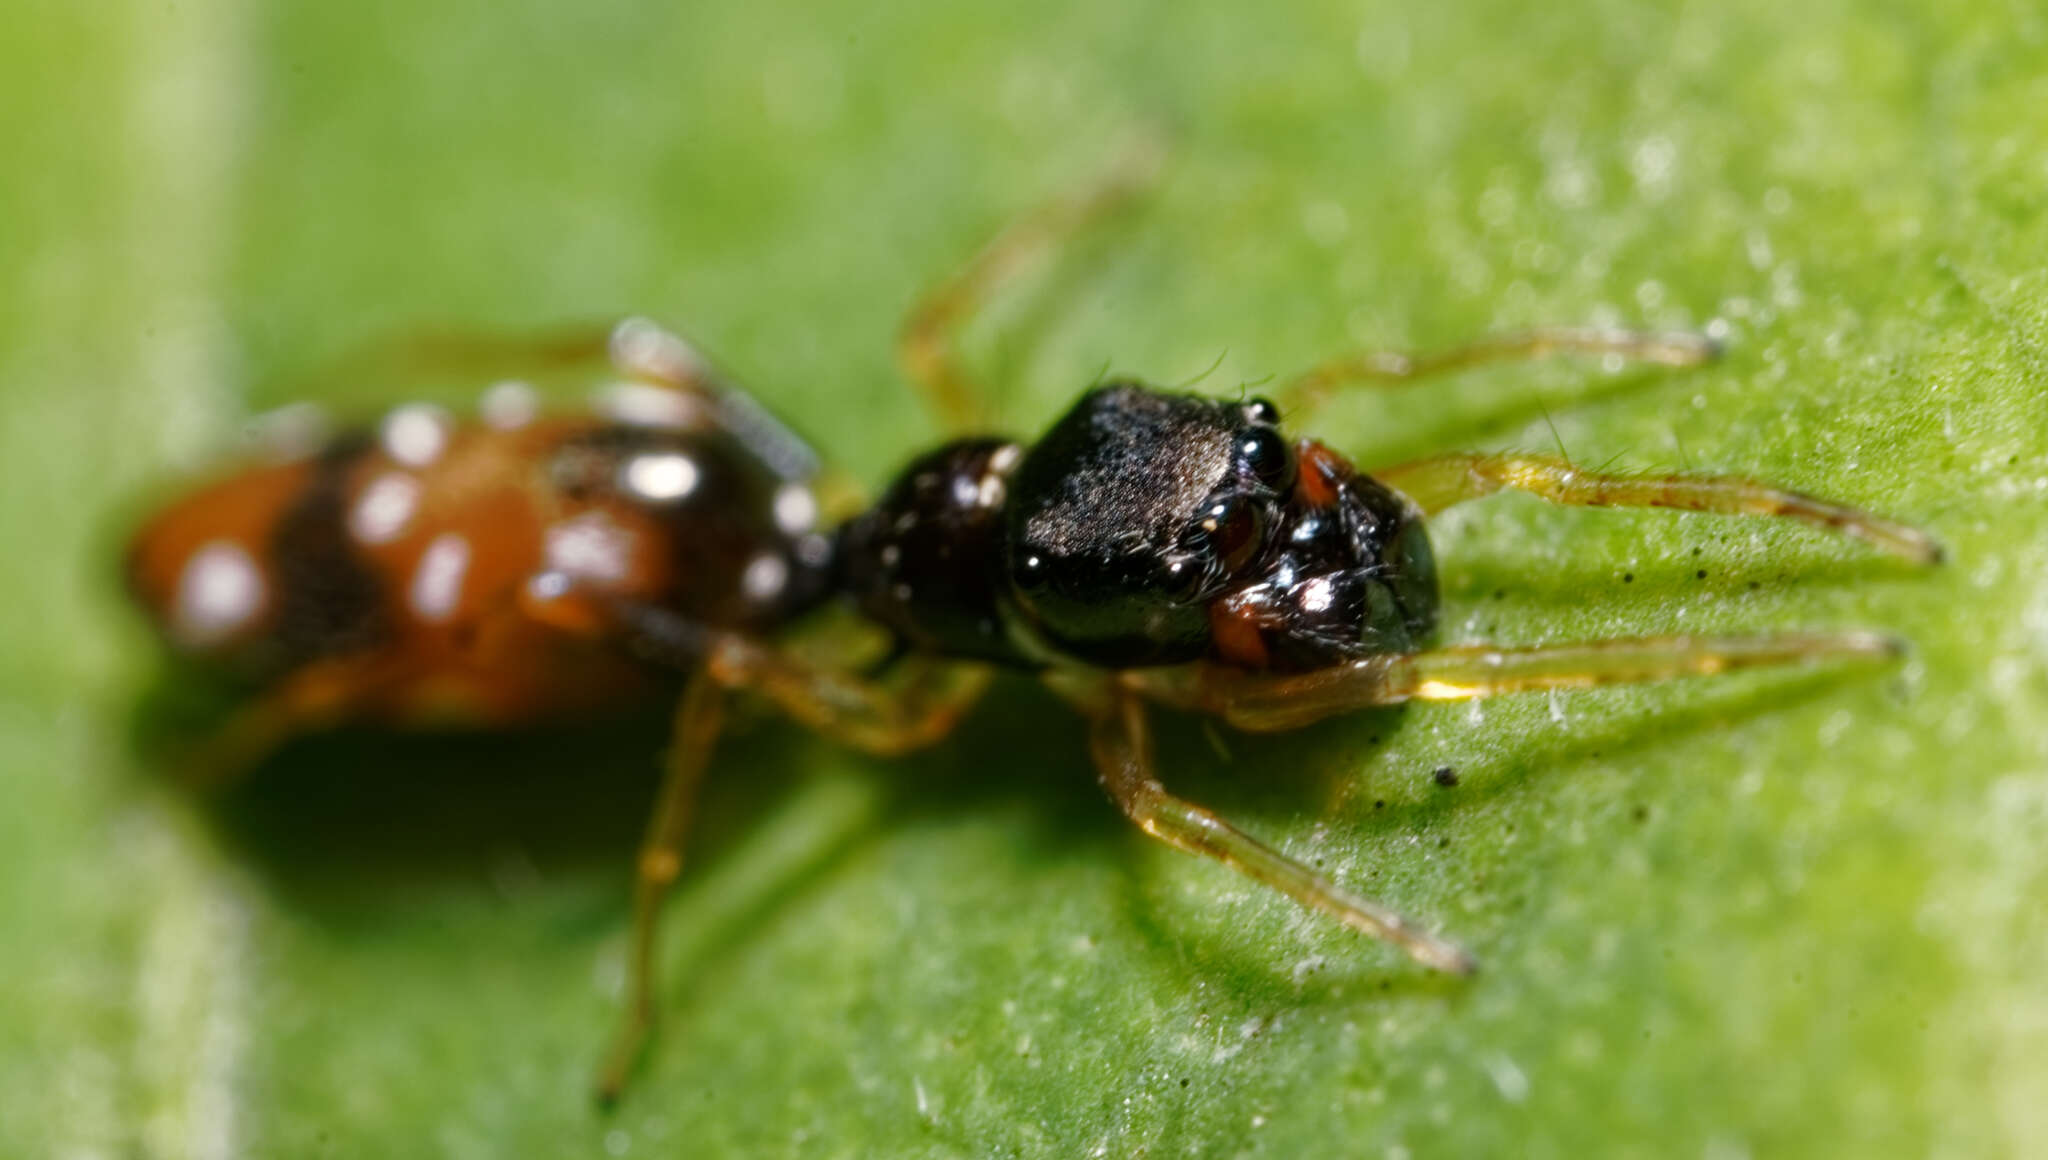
(1152, 547)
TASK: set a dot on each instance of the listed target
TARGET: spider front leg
(924, 344)
(1440, 481)
(1267, 702)
(1121, 743)
(1389, 368)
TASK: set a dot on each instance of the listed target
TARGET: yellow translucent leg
(1121, 743)
(1263, 702)
(1386, 368)
(1440, 481)
(915, 709)
(699, 716)
(924, 346)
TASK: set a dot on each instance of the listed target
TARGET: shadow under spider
(343, 822)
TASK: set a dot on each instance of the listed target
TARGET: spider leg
(457, 352)
(699, 715)
(1440, 481)
(670, 384)
(315, 697)
(910, 709)
(924, 344)
(1388, 368)
(635, 347)
(913, 709)
(1268, 702)
(1121, 743)
(877, 717)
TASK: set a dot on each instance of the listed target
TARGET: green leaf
(1764, 915)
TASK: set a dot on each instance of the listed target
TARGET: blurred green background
(1766, 915)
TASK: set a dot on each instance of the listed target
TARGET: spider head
(1154, 528)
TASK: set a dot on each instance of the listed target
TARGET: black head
(1153, 528)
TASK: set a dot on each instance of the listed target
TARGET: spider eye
(1237, 530)
(1262, 412)
(1185, 578)
(1266, 454)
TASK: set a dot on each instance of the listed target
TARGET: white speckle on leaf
(1654, 164)
(1508, 1079)
(1326, 222)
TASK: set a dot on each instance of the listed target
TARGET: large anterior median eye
(1265, 454)
(1237, 530)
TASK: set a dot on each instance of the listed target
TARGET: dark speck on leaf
(1445, 776)
(1702, 573)
(1628, 577)
(1380, 804)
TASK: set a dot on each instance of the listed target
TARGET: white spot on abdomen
(547, 586)
(640, 405)
(989, 493)
(220, 592)
(437, 583)
(385, 506)
(660, 476)
(765, 577)
(589, 547)
(796, 509)
(639, 346)
(509, 405)
(416, 434)
(293, 431)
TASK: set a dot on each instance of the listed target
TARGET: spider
(1152, 547)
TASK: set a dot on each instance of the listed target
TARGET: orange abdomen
(437, 572)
